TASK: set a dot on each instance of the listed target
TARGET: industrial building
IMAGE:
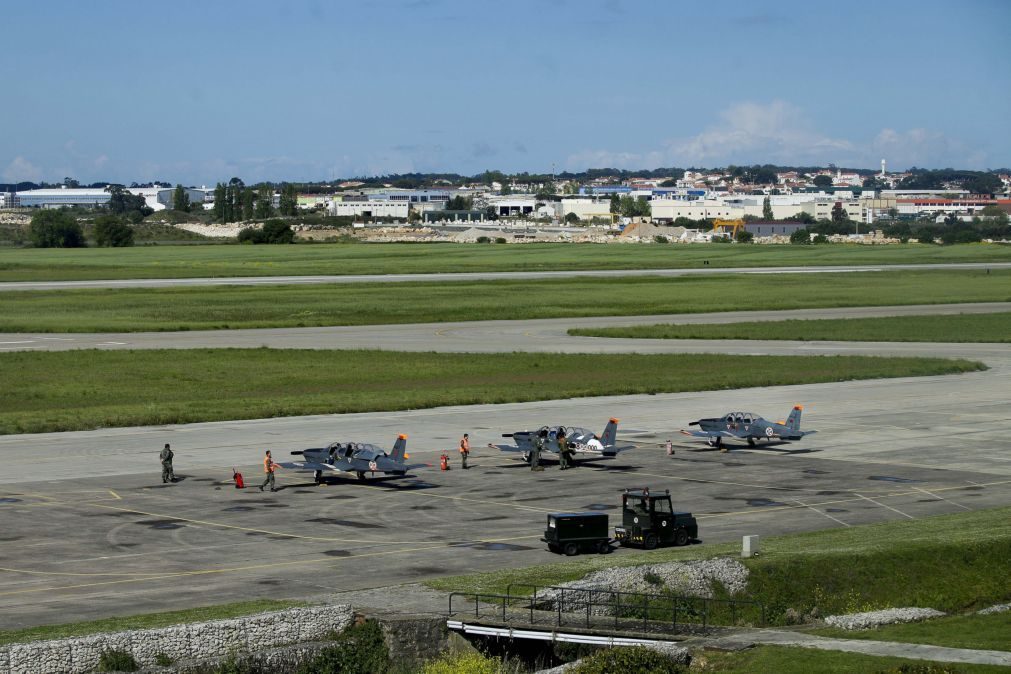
(156, 198)
(370, 209)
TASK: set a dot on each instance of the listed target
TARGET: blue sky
(199, 92)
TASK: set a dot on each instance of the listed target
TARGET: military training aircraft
(580, 441)
(750, 427)
(353, 457)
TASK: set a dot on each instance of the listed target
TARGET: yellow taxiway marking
(252, 567)
(33, 572)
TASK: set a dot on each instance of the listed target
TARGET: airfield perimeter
(90, 532)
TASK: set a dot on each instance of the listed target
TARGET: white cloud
(20, 169)
(781, 133)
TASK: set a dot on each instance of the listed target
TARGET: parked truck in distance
(649, 520)
(573, 533)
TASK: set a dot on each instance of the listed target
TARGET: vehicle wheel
(649, 542)
(603, 547)
(751, 442)
(361, 475)
(553, 548)
(681, 537)
(571, 549)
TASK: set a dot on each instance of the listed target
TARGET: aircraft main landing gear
(361, 475)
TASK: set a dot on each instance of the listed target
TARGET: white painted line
(886, 506)
(946, 500)
(822, 512)
(23, 341)
(112, 343)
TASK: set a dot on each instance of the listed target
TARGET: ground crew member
(669, 447)
(464, 450)
(167, 474)
(269, 467)
(563, 451)
(535, 453)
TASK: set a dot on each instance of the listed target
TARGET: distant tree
(122, 202)
(873, 183)
(220, 195)
(615, 204)
(669, 183)
(459, 203)
(273, 231)
(767, 208)
(819, 238)
(112, 232)
(236, 182)
(839, 213)
(822, 180)
(800, 237)
(55, 229)
(264, 202)
(571, 218)
(490, 213)
(507, 187)
(180, 200)
(70, 182)
(247, 198)
(984, 183)
(744, 236)
(288, 204)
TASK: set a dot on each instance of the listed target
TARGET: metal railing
(606, 609)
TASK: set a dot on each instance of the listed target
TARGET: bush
(500, 239)
(744, 236)
(360, 649)
(274, 231)
(162, 660)
(55, 229)
(635, 659)
(466, 663)
(117, 661)
(112, 232)
(571, 218)
(800, 237)
(660, 239)
(483, 239)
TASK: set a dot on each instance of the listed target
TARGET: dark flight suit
(535, 454)
(563, 453)
(167, 473)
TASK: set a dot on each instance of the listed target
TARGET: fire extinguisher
(444, 461)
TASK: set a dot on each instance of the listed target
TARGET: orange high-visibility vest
(464, 445)
(268, 464)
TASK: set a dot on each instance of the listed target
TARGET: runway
(477, 276)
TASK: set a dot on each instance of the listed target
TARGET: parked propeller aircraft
(580, 441)
(353, 457)
(750, 427)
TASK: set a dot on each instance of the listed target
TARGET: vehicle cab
(649, 520)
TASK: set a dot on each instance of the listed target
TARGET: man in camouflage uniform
(167, 474)
(535, 453)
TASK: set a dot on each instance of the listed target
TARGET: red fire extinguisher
(444, 461)
(237, 476)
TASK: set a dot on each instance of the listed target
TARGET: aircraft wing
(708, 434)
(308, 465)
(505, 448)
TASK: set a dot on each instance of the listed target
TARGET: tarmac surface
(475, 276)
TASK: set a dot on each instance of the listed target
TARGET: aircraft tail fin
(399, 449)
(793, 421)
(610, 435)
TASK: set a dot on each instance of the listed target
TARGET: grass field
(230, 307)
(950, 562)
(784, 660)
(145, 621)
(986, 632)
(77, 390)
(956, 328)
(212, 261)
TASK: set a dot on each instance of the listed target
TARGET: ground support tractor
(649, 520)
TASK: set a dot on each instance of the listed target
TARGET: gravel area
(693, 579)
(872, 619)
(990, 610)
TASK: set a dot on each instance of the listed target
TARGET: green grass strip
(145, 621)
(77, 390)
(985, 632)
(786, 660)
(949, 562)
(231, 307)
(956, 328)
(399, 258)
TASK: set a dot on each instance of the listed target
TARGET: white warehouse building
(370, 209)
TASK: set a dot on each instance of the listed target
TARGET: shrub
(744, 236)
(55, 229)
(465, 663)
(500, 239)
(360, 649)
(800, 237)
(660, 239)
(112, 232)
(483, 239)
(117, 661)
(274, 231)
(635, 659)
(162, 660)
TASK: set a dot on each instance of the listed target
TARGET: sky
(198, 92)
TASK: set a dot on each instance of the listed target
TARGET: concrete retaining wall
(196, 641)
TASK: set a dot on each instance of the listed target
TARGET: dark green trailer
(573, 533)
